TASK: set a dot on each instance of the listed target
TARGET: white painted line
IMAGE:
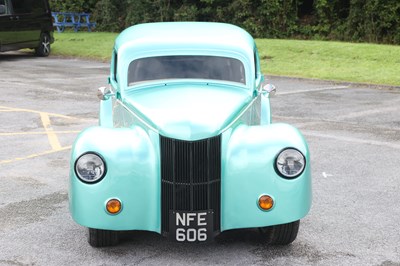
(312, 90)
(370, 112)
(325, 175)
(90, 95)
(351, 139)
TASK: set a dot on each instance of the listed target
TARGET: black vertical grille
(190, 177)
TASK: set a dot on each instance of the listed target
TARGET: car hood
(188, 112)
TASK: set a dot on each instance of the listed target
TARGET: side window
(22, 6)
(256, 62)
(115, 66)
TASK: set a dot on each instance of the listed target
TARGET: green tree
(108, 15)
(72, 6)
(374, 21)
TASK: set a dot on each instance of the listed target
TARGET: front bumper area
(134, 176)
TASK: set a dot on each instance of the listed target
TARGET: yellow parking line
(11, 109)
(48, 130)
(34, 111)
(35, 155)
(55, 144)
(36, 133)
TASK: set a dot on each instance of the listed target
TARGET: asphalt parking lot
(354, 136)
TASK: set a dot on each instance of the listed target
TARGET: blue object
(72, 19)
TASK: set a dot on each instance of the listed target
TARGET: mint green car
(185, 146)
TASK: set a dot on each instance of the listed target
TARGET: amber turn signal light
(265, 202)
(113, 206)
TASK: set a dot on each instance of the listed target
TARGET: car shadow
(17, 55)
(251, 236)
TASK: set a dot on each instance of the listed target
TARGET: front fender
(248, 172)
(132, 162)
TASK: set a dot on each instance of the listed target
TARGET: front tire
(102, 238)
(43, 48)
(281, 234)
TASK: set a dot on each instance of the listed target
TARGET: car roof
(189, 36)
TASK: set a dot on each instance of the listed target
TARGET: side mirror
(268, 89)
(104, 93)
(2, 9)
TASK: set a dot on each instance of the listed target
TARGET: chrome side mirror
(268, 89)
(104, 93)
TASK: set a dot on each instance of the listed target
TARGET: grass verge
(93, 45)
(354, 62)
(364, 63)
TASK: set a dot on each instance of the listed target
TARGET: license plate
(195, 226)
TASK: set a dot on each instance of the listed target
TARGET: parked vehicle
(26, 24)
(185, 146)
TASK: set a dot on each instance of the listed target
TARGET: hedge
(375, 21)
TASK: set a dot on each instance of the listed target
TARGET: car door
(6, 25)
(26, 29)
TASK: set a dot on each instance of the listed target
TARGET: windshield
(186, 67)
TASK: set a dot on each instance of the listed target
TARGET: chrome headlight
(90, 168)
(290, 163)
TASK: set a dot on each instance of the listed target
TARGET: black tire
(43, 48)
(102, 238)
(282, 234)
